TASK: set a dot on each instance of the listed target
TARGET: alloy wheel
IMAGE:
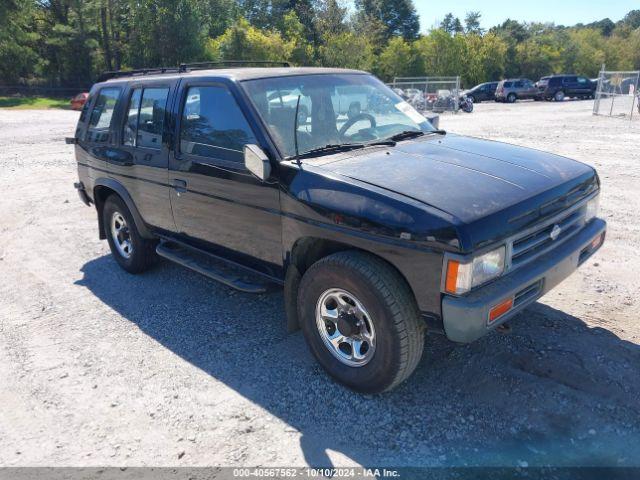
(346, 328)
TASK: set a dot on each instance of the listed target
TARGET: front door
(217, 202)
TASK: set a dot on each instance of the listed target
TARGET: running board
(211, 267)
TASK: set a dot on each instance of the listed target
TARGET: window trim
(181, 156)
(113, 115)
(144, 86)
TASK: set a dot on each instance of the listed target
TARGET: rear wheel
(133, 253)
(360, 321)
(511, 98)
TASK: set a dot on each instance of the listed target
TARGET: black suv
(377, 225)
(482, 92)
(559, 87)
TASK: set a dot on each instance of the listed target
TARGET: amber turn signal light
(500, 309)
(451, 281)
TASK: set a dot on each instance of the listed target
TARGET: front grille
(540, 239)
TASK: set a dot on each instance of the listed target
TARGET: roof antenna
(295, 131)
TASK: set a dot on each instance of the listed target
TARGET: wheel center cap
(348, 324)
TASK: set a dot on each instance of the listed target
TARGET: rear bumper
(467, 318)
(79, 186)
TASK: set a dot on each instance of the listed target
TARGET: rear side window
(507, 84)
(145, 118)
(101, 115)
(213, 125)
(518, 84)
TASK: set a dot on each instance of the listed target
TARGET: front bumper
(467, 318)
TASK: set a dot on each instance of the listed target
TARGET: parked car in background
(558, 87)
(482, 92)
(79, 100)
(512, 89)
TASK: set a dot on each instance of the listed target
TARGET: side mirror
(257, 161)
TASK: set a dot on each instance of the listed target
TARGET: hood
(466, 177)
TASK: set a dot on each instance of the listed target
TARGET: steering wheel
(354, 119)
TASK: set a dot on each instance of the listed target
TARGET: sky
(561, 12)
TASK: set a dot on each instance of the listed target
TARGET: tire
(559, 96)
(388, 309)
(511, 98)
(141, 252)
(472, 98)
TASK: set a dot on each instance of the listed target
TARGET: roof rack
(231, 63)
(185, 67)
(136, 72)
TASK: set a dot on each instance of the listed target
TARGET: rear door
(217, 203)
(142, 145)
(570, 85)
(528, 89)
(584, 86)
(96, 138)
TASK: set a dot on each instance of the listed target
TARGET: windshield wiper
(334, 147)
(413, 134)
(345, 147)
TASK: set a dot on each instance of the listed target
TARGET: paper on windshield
(410, 112)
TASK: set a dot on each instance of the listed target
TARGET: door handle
(180, 186)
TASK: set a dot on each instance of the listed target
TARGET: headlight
(592, 208)
(463, 276)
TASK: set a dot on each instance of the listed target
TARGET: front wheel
(559, 96)
(360, 321)
(511, 98)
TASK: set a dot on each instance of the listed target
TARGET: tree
(399, 16)
(18, 57)
(243, 41)
(472, 23)
(299, 52)
(451, 24)
(632, 19)
(167, 32)
(398, 59)
(346, 50)
(332, 17)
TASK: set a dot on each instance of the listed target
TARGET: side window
(518, 84)
(213, 125)
(582, 80)
(131, 120)
(101, 115)
(151, 117)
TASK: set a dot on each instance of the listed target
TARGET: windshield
(332, 110)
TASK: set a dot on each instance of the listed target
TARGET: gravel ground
(98, 367)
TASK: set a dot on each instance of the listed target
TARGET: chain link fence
(429, 94)
(617, 94)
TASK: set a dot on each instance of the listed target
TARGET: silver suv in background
(512, 89)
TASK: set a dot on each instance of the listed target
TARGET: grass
(34, 103)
